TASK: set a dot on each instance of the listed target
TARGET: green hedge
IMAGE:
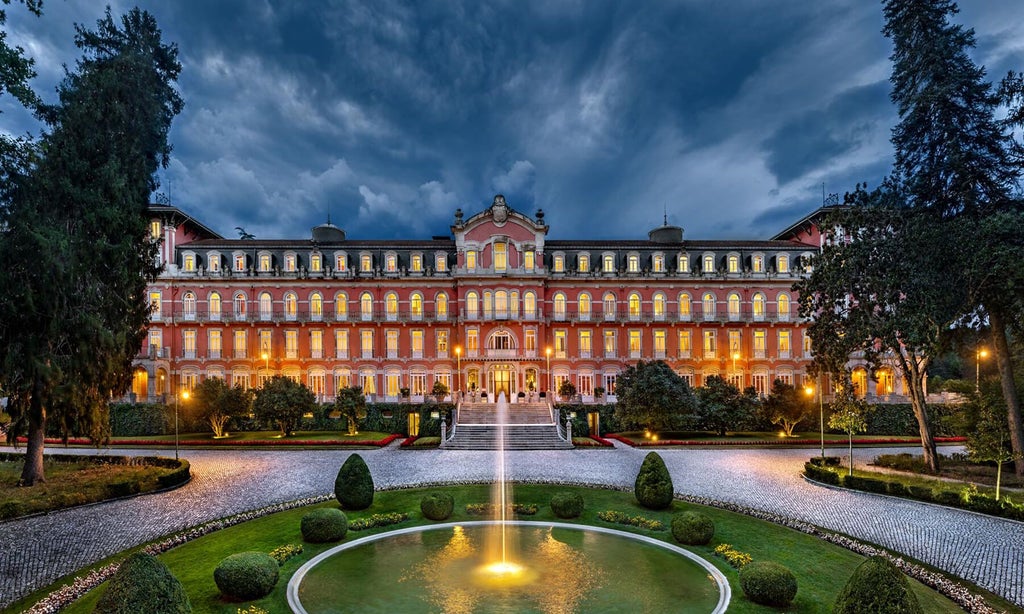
(820, 474)
(898, 419)
(866, 484)
(141, 419)
(580, 426)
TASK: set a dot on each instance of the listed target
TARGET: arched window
(734, 263)
(513, 304)
(783, 307)
(240, 304)
(188, 306)
(416, 306)
(558, 304)
(316, 307)
(488, 305)
(530, 305)
(859, 378)
(391, 306)
(734, 306)
(709, 263)
(366, 306)
(266, 306)
(659, 306)
(708, 306)
(341, 307)
(609, 306)
(215, 305)
(501, 304)
(758, 304)
(441, 306)
(634, 306)
(886, 382)
(291, 306)
(472, 305)
(583, 306)
(783, 263)
(685, 307)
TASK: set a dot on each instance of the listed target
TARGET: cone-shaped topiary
(567, 504)
(692, 528)
(876, 586)
(768, 583)
(653, 488)
(246, 575)
(354, 484)
(143, 584)
(437, 506)
(326, 524)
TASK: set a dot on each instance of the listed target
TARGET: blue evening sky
(388, 115)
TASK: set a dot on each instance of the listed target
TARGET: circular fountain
(558, 568)
(503, 565)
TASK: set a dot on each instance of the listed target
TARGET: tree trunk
(1013, 417)
(915, 379)
(33, 473)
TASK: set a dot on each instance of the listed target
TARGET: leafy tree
(955, 158)
(216, 402)
(283, 401)
(653, 396)
(351, 404)
(653, 486)
(76, 250)
(988, 433)
(849, 414)
(722, 407)
(786, 406)
(16, 70)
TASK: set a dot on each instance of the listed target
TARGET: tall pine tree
(955, 158)
(77, 251)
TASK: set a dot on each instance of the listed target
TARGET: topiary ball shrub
(143, 584)
(876, 586)
(354, 484)
(323, 525)
(653, 488)
(246, 575)
(692, 528)
(437, 506)
(768, 583)
(567, 504)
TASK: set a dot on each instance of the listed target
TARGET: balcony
(502, 353)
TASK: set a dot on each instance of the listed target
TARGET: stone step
(517, 437)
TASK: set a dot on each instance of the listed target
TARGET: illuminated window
(633, 263)
(289, 263)
(783, 307)
(685, 307)
(155, 229)
(366, 306)
(188, 346)
(734, 306)
(391, 306)
(340, 262)
(685, 344)
(760, 343)
(708, 306)
(559, 266)
(265, 261)
(683, 266)
(416, 263)
(609, 344)
(783, 261)
(472, 341)
(213, 262)
(416, 306)
(391, 263)
(758, 263)
(608, 263)
(586, 343)
(442, 343)
(365, 263)
(529, 260)
(214, 343)
(501, 304)
(472, 305)
(190, 263)
(291, 344)
(583, 306)
(239, 306)
(391, 343)
(240, 344)
(342, 380)
(215, 306)
(807, 345)
(558, 303)
(659, 304)
(239, 263)
(785, 344)
(488, 305)
(886, 382)
(316, 263)
(530, 305)
(513, 303)
(316, 344)
(366, 343)
(734, 263)
(659, 263)
(266, 342)
(155, 306)
(530, 341)
(500, 256)
(291, 306)
(316, 307)
(560, 345)
(441, 306)
(583, 263)
(368, 381)
(341, 307)
(341, 343)
(634, 306)
(635, 343)
(709, 263)
(470, 259)
(659, 343)
(710, 344)
(392, 382)
(440, 262)
(758, 305)
(735, 341)
(188, 306)
(609, 306)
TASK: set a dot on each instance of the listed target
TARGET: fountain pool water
(565, 568)
(507, 566)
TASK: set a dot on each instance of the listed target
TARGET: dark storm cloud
(389, 115)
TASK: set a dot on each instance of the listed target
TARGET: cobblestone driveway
(35, 551)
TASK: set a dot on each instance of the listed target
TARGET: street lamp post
(458, 369)
(978, 355)
(821, 413)
(266, 363)
(547, 351)
(735, 357)
(184, 396)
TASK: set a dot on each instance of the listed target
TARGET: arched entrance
(501, 378)
(140, 384)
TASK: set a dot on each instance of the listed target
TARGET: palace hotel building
(495, 306)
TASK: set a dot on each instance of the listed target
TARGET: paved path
(988, 551)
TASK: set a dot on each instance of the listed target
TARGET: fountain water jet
(501, 555)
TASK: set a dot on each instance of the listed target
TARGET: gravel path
(987, 551)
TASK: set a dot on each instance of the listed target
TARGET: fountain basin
(559, 567)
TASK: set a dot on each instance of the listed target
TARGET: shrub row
(378, 520)
(632, 521)
(488, 509)
(581, 427)
(733, 556)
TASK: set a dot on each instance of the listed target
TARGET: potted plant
(521, 395)
(566, 390)
(404, 393)
(440, 391)
(599, 394)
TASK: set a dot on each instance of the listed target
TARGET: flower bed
(82, 441)
(775, 442)
(591, 442)
(632, 521)
(378, 520)
(408, 441)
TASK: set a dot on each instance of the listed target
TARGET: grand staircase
(528, 426)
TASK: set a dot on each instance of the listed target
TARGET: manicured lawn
(821, 568)
(256, 437)
(801, 438)
(68, 484)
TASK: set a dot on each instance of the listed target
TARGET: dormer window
(529, 259)
(608, 263)
(559, 263)
(633, 263)
(391, 263)
(265, 261)
(470, 259)
(290, 263)
(783, 261)
(440, 262)
(365, 263)
(500, 256)
(189, 263)
(734, 263)
(683, 266)
(416, 263)
(316, 262)
(708, 263)
(583, 263)
(213, 262)
(239, 265)
(658, 265)
(340, 262)
(757, 263)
